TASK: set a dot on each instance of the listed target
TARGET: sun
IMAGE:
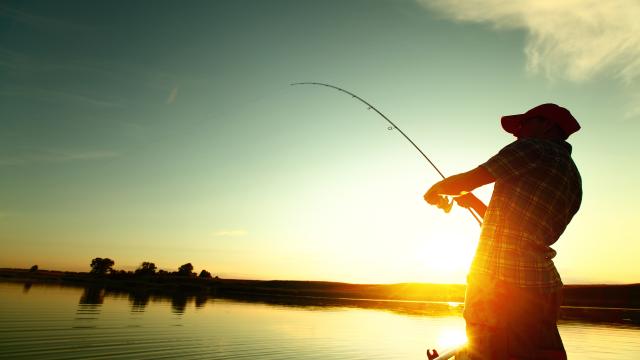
(448, 259)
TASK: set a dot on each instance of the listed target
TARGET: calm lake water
(55, 322)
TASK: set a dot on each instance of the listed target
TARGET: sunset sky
(167, 131)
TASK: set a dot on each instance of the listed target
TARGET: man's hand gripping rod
(444, 204)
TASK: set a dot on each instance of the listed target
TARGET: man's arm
(461, 184)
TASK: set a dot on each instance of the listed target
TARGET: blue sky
(168, 132)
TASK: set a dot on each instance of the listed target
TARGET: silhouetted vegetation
(146, 268)
(186, 270)
(100, 266)
(34, 268)
(204, 274)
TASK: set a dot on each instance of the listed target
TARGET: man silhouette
(513, 288)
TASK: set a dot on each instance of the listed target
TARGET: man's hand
(432, 196)
(460, 185)
(470, 201)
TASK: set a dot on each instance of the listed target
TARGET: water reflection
(411, 308)
(201, 300)
(179, 303)
(92, 296)
(111, 323)
(89, 306)
(139, 300)
(26, 287)
(180, 300)
(451, 337)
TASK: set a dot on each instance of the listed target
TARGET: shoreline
(599, 303)
(583, 295)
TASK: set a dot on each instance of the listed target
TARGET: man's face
(533, 128)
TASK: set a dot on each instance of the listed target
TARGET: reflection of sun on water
(451, 337)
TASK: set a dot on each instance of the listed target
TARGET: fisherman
(513, 288)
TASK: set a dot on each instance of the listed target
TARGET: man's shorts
(510, 322)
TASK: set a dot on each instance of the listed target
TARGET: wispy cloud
(38, 21)
(44, 79)
(633, 112)
(13, 60)
(58, 96)
(98, 69)
(71, 97)
(56, 156)
(23, 66)
(230, 233)
(573, 39)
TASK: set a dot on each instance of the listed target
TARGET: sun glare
(452, 337)
(449, 259)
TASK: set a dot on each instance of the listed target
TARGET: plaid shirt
(537, 191)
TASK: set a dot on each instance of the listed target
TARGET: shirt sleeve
(514, 159)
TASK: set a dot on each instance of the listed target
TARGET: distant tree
(185, 270)
(100, 266)
(146, 268)
(34, 268)
(163, 272)
(204, 274)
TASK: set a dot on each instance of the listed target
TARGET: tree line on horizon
(104, 266)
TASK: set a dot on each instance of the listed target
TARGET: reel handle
(445, 204)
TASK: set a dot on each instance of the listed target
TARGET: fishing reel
(445, 204)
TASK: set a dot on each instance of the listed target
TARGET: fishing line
(393, 127)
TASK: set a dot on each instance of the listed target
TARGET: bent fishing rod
(445, 207)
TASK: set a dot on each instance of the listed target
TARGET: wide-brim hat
(553, 112)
